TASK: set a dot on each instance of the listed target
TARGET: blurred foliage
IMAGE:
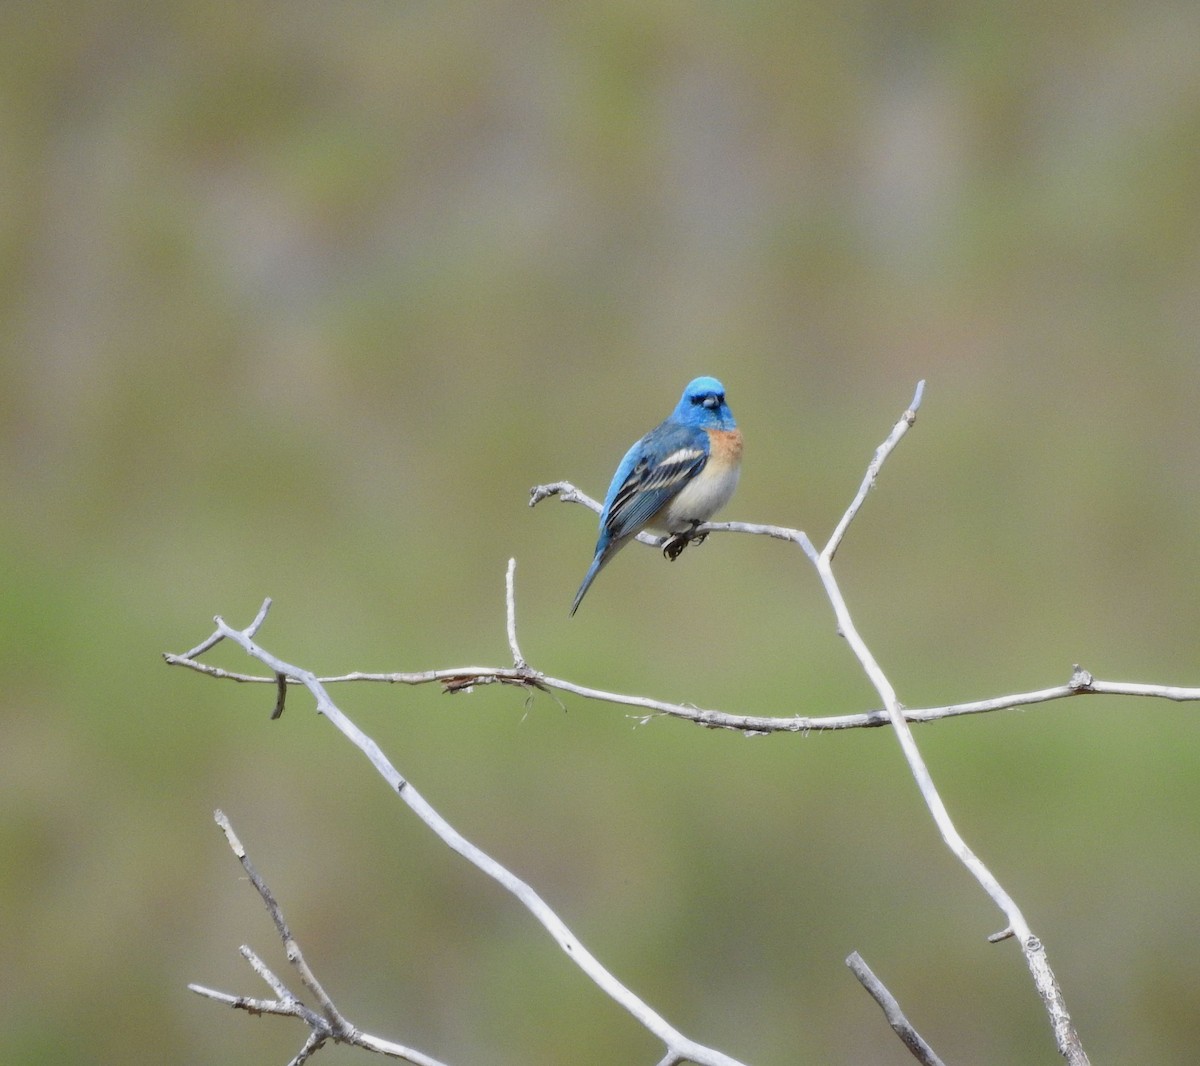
(299, 299)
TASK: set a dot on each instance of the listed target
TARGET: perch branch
(568, 493)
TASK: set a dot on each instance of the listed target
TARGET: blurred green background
(299, 299)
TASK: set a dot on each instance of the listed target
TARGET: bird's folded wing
(671, 457)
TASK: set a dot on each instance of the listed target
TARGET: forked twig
(1044, 980)
(326, 1023)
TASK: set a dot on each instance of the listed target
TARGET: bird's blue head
(703, 405)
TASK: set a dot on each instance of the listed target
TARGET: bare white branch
(901, 1026)
(1064, 1032)
(325, 1024)
(465, 678)
(267, 974)
(677, 1044)
(246, 1003)
(294, 955)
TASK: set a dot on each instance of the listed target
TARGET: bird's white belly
(699, 499)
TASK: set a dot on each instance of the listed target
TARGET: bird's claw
(674, 544)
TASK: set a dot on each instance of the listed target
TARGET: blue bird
(678, 475)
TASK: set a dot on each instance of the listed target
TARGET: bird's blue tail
(589, 577)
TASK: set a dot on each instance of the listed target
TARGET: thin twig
(294, 955)
(266, 973)
(326, 1024)
(510, 601)
(868, 482)
(901, 1026)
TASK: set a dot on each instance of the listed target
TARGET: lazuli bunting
(678, 475)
